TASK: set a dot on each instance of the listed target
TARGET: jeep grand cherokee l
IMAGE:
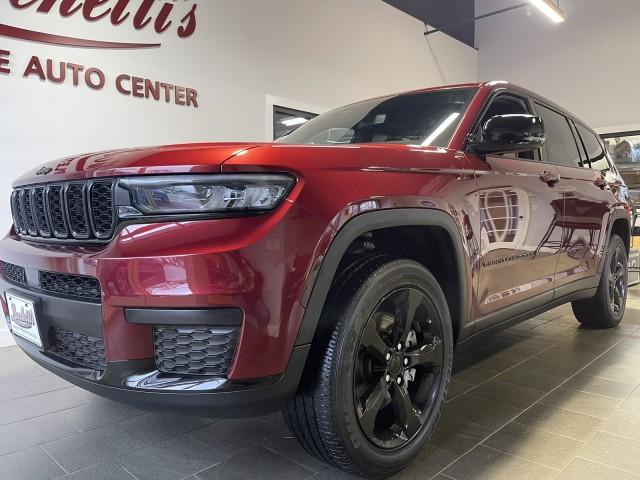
(329, 274)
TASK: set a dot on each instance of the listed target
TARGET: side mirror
(510, 133)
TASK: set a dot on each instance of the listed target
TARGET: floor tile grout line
(52, 458)
(40, 416)
(535, 403)
(444, 475)
(306, 467)
(599, 394)
(75, 471)
(127, 470)
(538, 429)
(519, 457)
(607, 465)
(623, 437)
(516, 364)
(195, 474)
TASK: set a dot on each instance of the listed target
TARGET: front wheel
(606, 309)
(373, 392)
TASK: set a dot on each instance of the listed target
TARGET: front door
(518, 209)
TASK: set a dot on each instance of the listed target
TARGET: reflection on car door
(588, 202)
(517, 212)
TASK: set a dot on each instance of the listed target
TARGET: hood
(191, 158)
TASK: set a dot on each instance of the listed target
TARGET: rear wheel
(606, 309)
(373, 392)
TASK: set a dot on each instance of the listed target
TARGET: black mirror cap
(510, 133)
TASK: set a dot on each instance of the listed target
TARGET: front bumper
(154, 391)
(151, 271)
(140, 383)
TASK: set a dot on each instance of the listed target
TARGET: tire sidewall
(615, 244)
(369, 458)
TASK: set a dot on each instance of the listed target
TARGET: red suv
(329, 274)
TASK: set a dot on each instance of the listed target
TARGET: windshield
(426, 119)
(625, 149)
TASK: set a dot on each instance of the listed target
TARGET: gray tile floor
(542, 400)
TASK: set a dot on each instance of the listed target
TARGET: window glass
(423, 118)
(506, 104)
(286, 120)
(597, 157)
(561, 144)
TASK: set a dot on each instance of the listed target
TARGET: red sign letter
(69, 7)
(4, 62)
(90, 6)
(34, 67)
(19, 4)
(187, 30)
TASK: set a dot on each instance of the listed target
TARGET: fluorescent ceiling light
(441, 128)
(292, 122)
(550, 9)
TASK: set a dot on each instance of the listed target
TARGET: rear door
(518, 210)
(588, 202)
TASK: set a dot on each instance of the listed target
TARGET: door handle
(550, 178)
(602, 184)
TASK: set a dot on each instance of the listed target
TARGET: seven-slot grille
(82, 211)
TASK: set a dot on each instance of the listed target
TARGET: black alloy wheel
(606, 309)
(376, 381)
(398, 368)
(618, 281)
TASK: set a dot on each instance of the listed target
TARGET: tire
(606, 309)
(348, 388)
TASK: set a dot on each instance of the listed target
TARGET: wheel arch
(619, 224)
(376, 221)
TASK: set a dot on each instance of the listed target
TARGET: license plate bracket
(23, 317)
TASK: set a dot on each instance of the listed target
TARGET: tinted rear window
(595, 152)
(561, 144)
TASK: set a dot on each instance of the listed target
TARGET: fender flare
(378, 220)
(616, 214)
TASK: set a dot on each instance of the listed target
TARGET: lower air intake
(195, 350)
(79, 349)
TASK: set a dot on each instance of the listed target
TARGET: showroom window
(286, 120)
(624, 147)
(561, 144)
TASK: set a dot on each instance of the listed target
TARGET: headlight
(202, 194)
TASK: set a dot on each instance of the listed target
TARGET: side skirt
(521, 317)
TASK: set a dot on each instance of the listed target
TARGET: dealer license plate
(22, 314)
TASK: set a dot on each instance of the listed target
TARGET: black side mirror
(510, 133)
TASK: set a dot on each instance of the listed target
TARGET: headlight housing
(206, 194)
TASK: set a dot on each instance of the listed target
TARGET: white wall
(244, 54)
(588, 64)
(318, 53)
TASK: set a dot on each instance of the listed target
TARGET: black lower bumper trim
(219, 317)
(229, 399)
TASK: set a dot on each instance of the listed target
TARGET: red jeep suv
(329, 274)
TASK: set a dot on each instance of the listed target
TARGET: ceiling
(440, 13)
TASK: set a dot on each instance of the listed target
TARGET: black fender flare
(378, 220)
(616, 214)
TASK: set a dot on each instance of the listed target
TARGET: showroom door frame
(273, 101)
